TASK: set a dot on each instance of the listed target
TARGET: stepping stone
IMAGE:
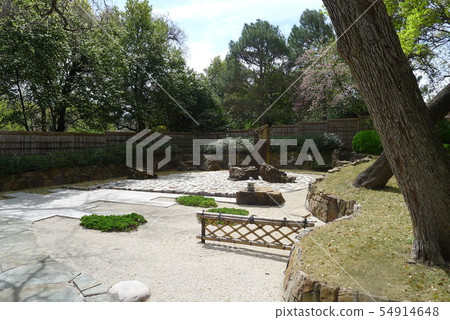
(84, 281)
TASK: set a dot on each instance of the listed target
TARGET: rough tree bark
(413, 149)
(378, 174)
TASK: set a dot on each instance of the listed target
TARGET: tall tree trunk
(43, 118)
(61, 120)
(22, 103)
(378, 174)
(413, 149)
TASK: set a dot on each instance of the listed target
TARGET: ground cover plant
(240, 212)
(196, 201)
(111, 223)
(373, 247)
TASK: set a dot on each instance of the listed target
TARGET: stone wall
(60, 176)
(299, 287)
(327, 207)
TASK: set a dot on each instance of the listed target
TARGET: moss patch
(373, 247)
(111, 223)
(196, 201)
(240, 212)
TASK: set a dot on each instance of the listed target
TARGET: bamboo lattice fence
(254, 231)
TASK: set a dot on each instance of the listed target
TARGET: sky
(211, 25)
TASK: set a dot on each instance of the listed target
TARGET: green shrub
(111, 223)
(196, 201)
(225, 144)
(367, 142)
(240, 212)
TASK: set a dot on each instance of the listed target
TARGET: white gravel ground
(165, 254)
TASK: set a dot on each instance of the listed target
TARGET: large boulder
(237, 173)
(271, 174)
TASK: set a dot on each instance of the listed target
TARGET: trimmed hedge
(112, 223)
(11, 164)
(196, 201)
(367, 142)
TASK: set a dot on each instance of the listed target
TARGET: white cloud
(200, 55)
(211, 25)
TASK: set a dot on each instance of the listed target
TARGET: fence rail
(254, 231)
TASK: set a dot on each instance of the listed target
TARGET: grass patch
(373, 247)
(239, 212)
(196, 201)
(112, 223)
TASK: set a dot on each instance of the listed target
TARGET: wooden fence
(254, 231)
(46, 142)
(344, 128)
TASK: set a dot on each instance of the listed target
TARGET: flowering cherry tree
(326, 89)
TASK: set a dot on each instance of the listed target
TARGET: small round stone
(130, 291)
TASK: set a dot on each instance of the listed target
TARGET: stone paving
(71, 203)
(212, 183)
(27, 273)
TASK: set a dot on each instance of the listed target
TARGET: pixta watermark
(143, 145)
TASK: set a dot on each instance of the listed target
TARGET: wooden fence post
(203, 227)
